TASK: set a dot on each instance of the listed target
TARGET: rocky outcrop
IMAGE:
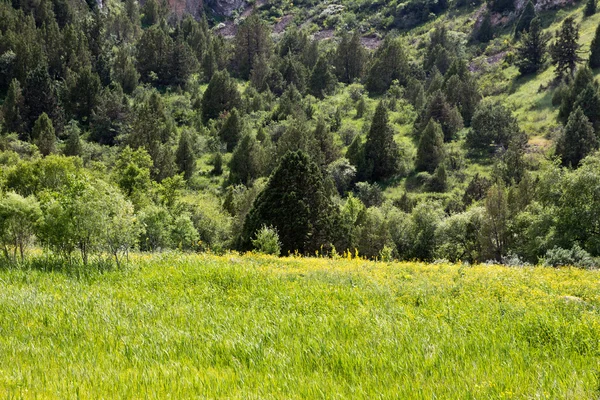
(225, 7)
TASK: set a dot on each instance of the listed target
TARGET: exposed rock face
(225, 7)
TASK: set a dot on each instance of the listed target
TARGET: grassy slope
(260, 327)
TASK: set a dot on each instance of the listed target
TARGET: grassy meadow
(203, 326)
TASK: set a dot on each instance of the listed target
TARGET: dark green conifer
(485, 33)
(381, 151)
(430, 152)
(12, 109)
(531, 52)
(73, 146)
(590, 8)
(594, 61)
(295, 203)
(44, 136)
(525, 19)
(577, 141)
(231, 132)
(565, 49)
(220, 95)
(322, 81)
(185, 157)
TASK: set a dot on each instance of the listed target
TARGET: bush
(267, 241)
(576, 257)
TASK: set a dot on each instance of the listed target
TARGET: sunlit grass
(260, 327)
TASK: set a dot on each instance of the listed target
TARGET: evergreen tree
(531, 52)
(577, 141)
(524, 21)
(565, 49)
(231, 132)
(430, 152)
(12, 109)
(40, 96)
(322, 81)
(485, 33)
(381, 151)
(349, 59)
(389, 64)
(248, 161)
(73, 146)
(594, 61)
(325, 139)
(111, 117)
(447, 116)
(356, 155)
(590, 8)
(217, 163)
(583, 78)
(589, 102)
(150, 13)
(44, 136)
(185, 157)
(154, 50)
(252, 40)
(220, 95)
(296, 204)
(83, 92)
(183, 61)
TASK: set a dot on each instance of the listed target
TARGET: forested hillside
(423, 130)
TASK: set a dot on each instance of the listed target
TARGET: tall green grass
(258, 327)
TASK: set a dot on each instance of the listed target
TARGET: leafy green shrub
(267, 241)
(575, 256)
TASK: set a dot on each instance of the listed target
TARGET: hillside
(422, 130)
(256, 326)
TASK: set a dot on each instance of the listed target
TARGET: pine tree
(217, 163)
(295, 203)
(356, 155)
(447, 116)
(349, 58)
(73, 146)
(583, 78)
(183, 60)
(252, 40)
(594, 61)
(485, 32)
(381, 151)
(220, 95)
(248, 161)
(44, 136)
(589, 102)
(565, 49)
(231, 132)
(524, 22)
(531, 52)
(430, 152)
(12, 109)
(590, 8)
(578, 139)
(322, 81)
(185, 157)
(40, 96)
(389, 64)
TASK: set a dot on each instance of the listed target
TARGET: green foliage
(594, 61)
(73, 146)
(322, 80)
(232, 130)
(493, 125)
(381, 151)
(590, 8)
(44, 136)
(565, 49)
(389, 64)
(295, 203)
(12, 109)
(267, 241)
(252, 42)
(430, 152)
(248, 162)
(220, 95)
(350, 58)
(531, 52)
(578, 139)
(524, 22)
(185, 157)
(485, 32)
(19, 220)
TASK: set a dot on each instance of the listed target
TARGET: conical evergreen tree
(44, 136)
(220, 95)
(356, 155)
(12, 109)
(40, 96)
(589, 102)
(583, 78)
(295, 203)
(531, 52)
(447, 116)
(248, 161)
(577, 141)
(185, 157)
(485, 33)
(524, 22)
(349, 58)
(73, 146)
(594, 61)
(590, 8)
(252, 40)
(322, 81)
(381, 151)
(389, 64)
(565, 49)
(430, 152)
(231, 132)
